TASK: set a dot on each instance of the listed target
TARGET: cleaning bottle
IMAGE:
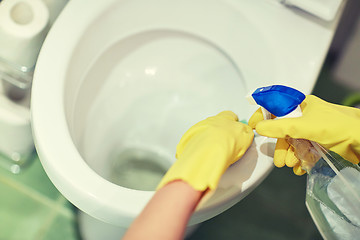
(333, 183)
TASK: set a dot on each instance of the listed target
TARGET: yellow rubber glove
(335, 127)
(207, 149)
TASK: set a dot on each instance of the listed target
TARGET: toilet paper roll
(23, 27)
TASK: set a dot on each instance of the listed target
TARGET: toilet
(117, 84)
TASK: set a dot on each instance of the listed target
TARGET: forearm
(167, 213)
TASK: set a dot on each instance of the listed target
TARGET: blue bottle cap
(278, 99)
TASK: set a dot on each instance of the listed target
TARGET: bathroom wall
(340, 76)
(346, 70)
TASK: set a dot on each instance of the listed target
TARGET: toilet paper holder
(24, 25)
(16, 80)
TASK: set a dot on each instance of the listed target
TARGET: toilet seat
(56, 88)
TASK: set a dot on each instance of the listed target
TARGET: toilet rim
(91, 193)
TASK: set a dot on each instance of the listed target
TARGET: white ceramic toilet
(117, 83)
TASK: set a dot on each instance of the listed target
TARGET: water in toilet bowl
(137, 169)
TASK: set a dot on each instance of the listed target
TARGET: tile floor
(32, 209)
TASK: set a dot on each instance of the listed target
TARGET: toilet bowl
(117, 83)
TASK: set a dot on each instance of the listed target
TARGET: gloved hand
(207, 149)
(335, 127)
